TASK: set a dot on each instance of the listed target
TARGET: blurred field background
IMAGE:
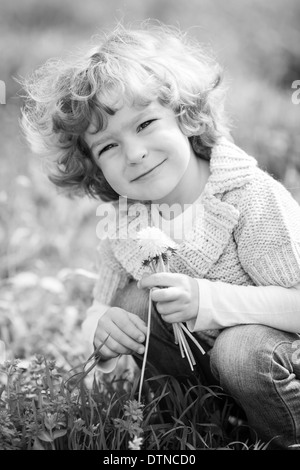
(45, 236)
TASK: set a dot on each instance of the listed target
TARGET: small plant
(132, 423)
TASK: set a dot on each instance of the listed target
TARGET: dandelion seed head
(153, 242)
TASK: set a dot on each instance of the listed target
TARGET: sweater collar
(230, 168)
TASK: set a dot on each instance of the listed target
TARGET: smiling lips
(147, 172)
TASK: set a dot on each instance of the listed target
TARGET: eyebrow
(128, 124)
(100, 141)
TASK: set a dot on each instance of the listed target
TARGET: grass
(44, 407)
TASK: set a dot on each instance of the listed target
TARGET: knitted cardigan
(247, 234)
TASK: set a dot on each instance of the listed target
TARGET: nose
(135, 151)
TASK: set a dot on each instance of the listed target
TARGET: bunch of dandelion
(156, 249)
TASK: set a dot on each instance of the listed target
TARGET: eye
(106, 148)
(145, 124)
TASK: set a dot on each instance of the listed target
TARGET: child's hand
(178, 298)
(126, 333)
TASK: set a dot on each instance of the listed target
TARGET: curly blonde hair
(132, 65)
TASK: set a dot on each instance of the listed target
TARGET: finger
(131, 325)
(167, 294)
(118, 342)
(115, 349)
(160, 280)
(174, 317)
(120, 329)
(167, 308)
(138, 323)
(131, 339)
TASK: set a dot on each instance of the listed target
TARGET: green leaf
(45, 436)
(59, 433)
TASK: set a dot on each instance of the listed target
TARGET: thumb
(144, 275)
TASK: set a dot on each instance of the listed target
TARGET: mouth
(147, 172)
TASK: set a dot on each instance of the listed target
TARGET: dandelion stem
(187, 350)
(146, 348)
(175, 329)
(192, 338)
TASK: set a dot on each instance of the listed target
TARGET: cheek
(112, 179)
(108, 169)
(179, 148)
(113, 176)
(176, 141)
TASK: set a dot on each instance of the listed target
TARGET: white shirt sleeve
(88, 328)
(222, 305)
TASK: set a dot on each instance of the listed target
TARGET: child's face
(142, 152)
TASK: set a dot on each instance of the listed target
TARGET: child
(140, 119)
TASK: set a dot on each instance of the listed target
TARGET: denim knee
(243, 357)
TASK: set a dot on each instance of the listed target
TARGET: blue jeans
(258, 366)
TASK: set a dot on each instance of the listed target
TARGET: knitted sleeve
(111, 275)
(268, 232)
